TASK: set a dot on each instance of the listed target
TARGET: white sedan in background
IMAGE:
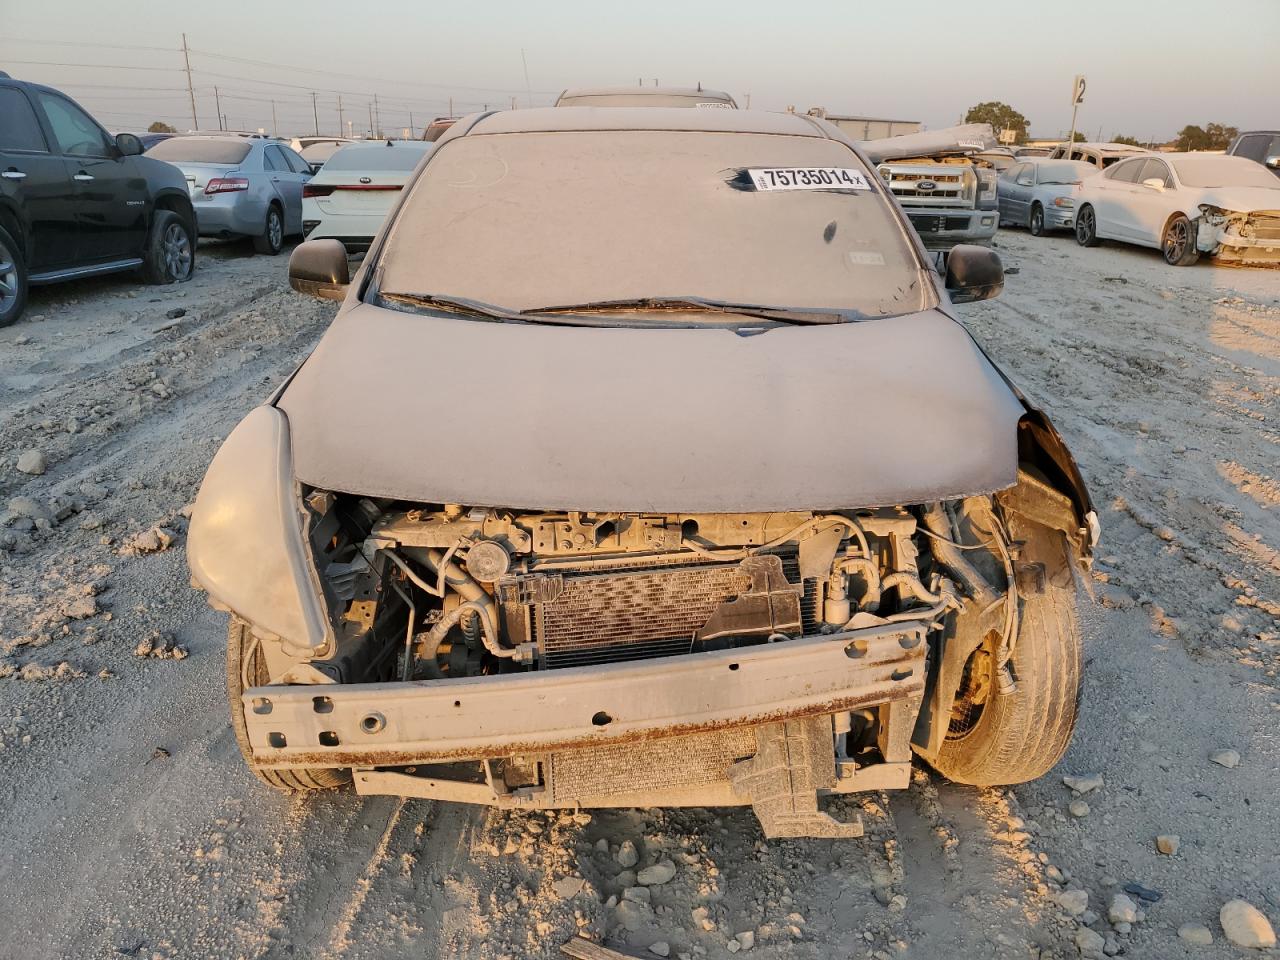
(356, 189)
(1185, 205)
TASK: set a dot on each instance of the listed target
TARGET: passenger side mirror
(128, 145)
(1154, 183)
(319, 268)
(973, 273)
(1273, 162)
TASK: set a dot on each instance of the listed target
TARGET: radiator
(639, 611)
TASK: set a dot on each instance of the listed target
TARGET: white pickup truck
(946, 189)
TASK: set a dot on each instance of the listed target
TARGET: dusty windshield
(533, 220)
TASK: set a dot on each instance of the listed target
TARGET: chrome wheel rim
(8, 280)
(275, 230)
(175, 247)
(1084, 226)
(1037, 221)
(1175, 241)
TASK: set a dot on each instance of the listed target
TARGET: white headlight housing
(246, 545)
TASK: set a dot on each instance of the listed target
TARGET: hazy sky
(1152, 67)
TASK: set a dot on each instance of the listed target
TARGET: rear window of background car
(199, 150)
(19, 128)
(374, 159)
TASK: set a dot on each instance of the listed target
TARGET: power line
(91, 66)
(104, 46)
(354, 76)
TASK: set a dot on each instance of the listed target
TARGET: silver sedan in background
(241, 186)
(1040, 193)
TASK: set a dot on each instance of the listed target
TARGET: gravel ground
(129, 827)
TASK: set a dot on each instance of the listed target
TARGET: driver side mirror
(1273, 162)
(128, 145)
(1154, 183)
(319, 269)
(973, 273)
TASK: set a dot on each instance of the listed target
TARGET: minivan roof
(552, 119)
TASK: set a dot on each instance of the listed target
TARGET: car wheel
(1036, 223)
(1002, 737)
(1179, 242)
(170, 255)
(1087, 227)
(272, 239)
(245, 662)
(13, 280)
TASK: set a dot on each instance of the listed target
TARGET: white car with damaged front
(1185, 205)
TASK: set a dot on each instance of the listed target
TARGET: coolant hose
(952, 556)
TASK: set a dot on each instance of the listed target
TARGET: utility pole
(275, 127)
(528, 92)
(513, 103)
(451, 106)
(370, 106)
(412, 136)
(195, 124)
(314, 113)
(217, 104)
(340, 115)
(1077, 98)
(748, 101)
(377, 117)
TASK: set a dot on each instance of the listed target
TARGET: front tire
(271, 240)
(299, 780)
(1087, 227)
(13, 280)
(1036, 223)
(170, 254)
(1179, 242)
(1000, 738)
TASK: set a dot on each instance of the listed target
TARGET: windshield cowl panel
(532, 221)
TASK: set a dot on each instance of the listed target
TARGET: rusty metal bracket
(793, 761)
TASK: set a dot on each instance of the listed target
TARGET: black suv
(1260, 145)
(76, 202)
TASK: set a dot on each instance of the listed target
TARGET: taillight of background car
(226, 185)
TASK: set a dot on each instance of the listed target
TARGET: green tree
(1079, 137)
(160, 127)
(1001, 116)
(1213, 136)
(1131, 141)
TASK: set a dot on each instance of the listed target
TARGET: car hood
(1242, 199)
(456, 410)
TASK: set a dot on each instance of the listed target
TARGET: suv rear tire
(13, 280)
(1019, 736)
(272, 239)
(170, 255)
(299, 780)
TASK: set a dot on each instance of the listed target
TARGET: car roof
(553, 120)
(1107, 147)
(639, 91)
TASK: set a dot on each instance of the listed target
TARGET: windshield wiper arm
(463, 305)
(780, 314)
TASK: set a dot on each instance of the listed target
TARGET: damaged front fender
(1235, 237)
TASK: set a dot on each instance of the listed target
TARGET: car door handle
(275, 179)
(12, 174)
(83, 177)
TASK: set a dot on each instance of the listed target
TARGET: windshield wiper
(700, 305)
(473, 308)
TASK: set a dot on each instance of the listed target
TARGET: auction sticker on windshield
(808, 178)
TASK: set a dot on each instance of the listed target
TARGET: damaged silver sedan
(646, 463)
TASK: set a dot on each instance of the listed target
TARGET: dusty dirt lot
(128, 826)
